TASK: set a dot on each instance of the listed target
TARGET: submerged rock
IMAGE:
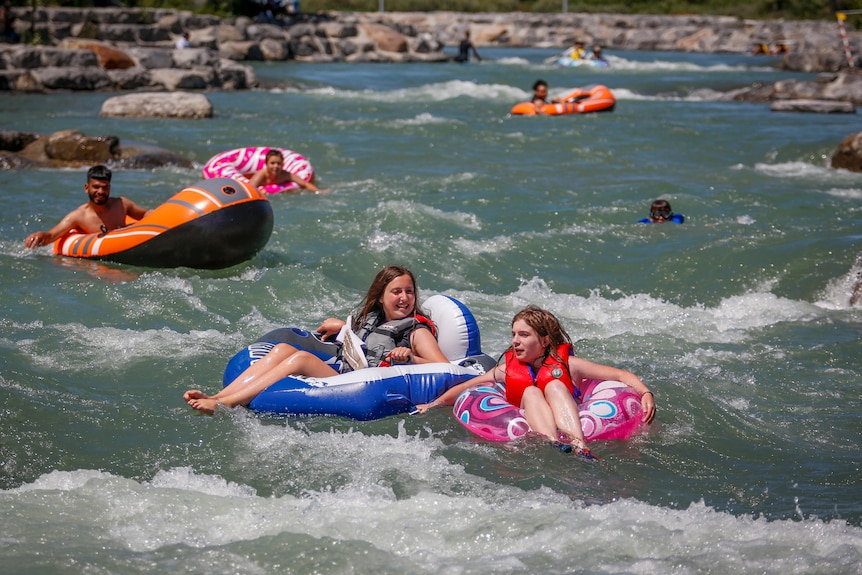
(848, 154)
(815, 106)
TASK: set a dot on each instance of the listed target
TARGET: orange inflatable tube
(582, 101)
(213, 224)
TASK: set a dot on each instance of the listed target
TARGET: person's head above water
(660, 211)
(540, 89)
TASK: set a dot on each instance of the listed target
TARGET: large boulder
(72, 149)
(274, 50)
(74, 146)
(55, 78)
(236, 76)
(194, 58)
(158, 105)
(386, 39)
(31, 57)
(130, 78)
(152, 57)
(14, 141)
(12, 161)
(848, 154)
(173, 79)
(244, 50)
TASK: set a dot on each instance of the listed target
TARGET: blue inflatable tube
(370, 393)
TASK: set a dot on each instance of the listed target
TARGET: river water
(739, 320)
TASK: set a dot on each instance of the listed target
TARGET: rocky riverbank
(135, 49)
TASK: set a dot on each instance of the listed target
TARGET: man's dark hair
(99, 172)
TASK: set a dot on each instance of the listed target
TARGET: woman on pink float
(547, 381)
(272, 170)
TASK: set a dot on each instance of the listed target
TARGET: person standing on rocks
(7, 30)
(183, 42)
(100, 214)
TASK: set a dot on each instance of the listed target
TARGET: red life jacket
(520, 376)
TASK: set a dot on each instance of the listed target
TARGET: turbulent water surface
(739, 319)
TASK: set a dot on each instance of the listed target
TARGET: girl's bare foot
(194, 394)
(204, 404)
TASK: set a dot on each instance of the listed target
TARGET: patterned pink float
(241, 163)
(611, 410)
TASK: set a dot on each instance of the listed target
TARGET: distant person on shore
(183, 42)
(7, 19)
(274, 173)
(779, 48)
(271, 12)
(100, 214)
(464, 49)
(660, 212)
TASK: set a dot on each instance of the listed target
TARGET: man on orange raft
(540, 96)
(274, 173)
(101, 213)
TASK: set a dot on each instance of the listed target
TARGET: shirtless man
(540, 96)
(101, 213)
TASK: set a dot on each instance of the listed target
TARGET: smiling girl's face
(399, 298)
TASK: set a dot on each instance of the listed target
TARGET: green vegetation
(792, 9)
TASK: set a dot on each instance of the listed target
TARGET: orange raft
(213, 224)
(582, 101)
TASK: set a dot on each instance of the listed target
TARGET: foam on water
(421, 120)
(852, 193)
(433, 514)
(435, 92)
(797, 170)
(610, 313)
(621, 64)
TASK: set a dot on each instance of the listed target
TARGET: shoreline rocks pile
(134, 49)
(126, 49)
(73, 149)
(828, 93)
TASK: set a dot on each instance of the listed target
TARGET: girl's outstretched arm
(452, 394)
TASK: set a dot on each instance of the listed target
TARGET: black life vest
(382, 338)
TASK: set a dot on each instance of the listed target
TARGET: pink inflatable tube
(611, 410)
(241, 163)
